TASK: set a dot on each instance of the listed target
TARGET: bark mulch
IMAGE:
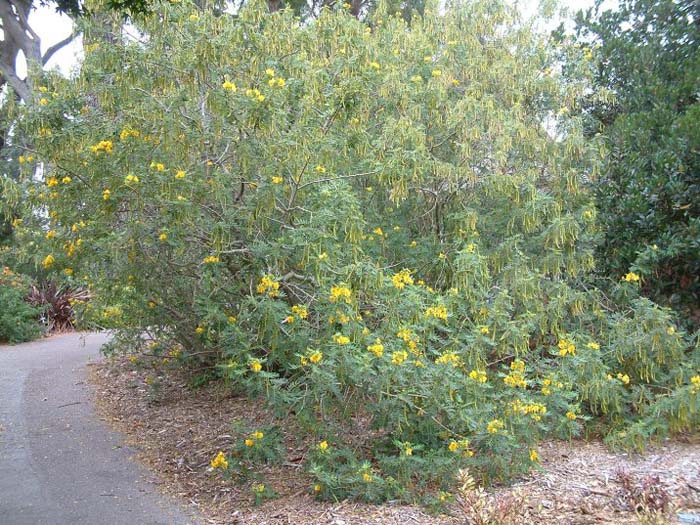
(178, 430)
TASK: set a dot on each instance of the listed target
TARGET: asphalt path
(59, 463)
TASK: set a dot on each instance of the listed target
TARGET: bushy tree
(373, 226)
(648, 55)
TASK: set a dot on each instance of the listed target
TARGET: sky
(53, 27)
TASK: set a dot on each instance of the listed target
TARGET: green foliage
(648, 53)
(19, 321)
(370, 227)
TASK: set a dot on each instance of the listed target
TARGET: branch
(50, 52)
(15, 82)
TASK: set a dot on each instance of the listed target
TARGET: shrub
(18, 320)
(368, 225)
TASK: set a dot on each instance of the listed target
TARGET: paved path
(59, 464)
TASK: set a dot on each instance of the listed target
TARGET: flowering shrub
(369, 225)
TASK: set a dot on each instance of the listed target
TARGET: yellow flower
(255, 365)
(374, 65)
(323, 256)
(323, 446)
(484, 330)
(402, 278)
(442, 256)
(478, 375)
(231, 319)
(534, 456)
(695, 380)
(631, 277)
(131, 179)
(341, 339)
(43, 101)
(593, 345)
(455, 82)
(66, 180)
(277, 180)
(413, 244)
(436, 72)
(48, 261)
(399, 357)
(152, 304)
(416, 79)
(50, 234)
(270, 72)
(367, 477)
(289, 319)
(106, 194)
(377, 348)
(68, 271)
(51, 182)
(317, 488)
(340, 292)
(494, 426)
(670, 330)
(320, 169)
(268, 284)
(194, 17)
(300, 310)
(219, 461)
(438, 312)
(211, 259)
(249, 442)
(624, 378)
(257, 435)
(453, 446)
(570, 415)
(180, 174)
(408, 451)
(199, 330)
(163, 236)
(316, 357)
(259, 488)
(229, 86)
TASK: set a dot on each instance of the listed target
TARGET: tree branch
(51, 51)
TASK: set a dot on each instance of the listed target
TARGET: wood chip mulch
(178, 430)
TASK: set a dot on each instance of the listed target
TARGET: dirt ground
(178, 431)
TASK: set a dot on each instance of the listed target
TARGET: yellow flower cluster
(277, 180)
(103, 145)
(211, 259)
(534, 456)
(409, 338)
(276, 82)
(339, 317)
(695, 384)
(51, 182)
(255, 365)
(219, 461)
(131, 179)
(593, 345)
(340, 292)
(323, 446)
(316, 357)
(494, 426)
(515, 380)
(478, 375)
(566, 347)
(268, 285)
(624, 378)
(128, 132)
(48, 261)
(377, 348)
(570, 415)
(229, 86)
(402, 279)
(438, 312)
(300, 310)
(106, 194)
(534, 410)
(461, 445)
(449, 358)
(399, 357)
(632, 277)
(255, 93)
(341, 339)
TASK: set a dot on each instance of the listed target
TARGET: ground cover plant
(384, 230)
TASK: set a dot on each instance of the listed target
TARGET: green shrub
(368, 226)
(19, 321)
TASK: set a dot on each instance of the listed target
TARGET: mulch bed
(177, 432)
